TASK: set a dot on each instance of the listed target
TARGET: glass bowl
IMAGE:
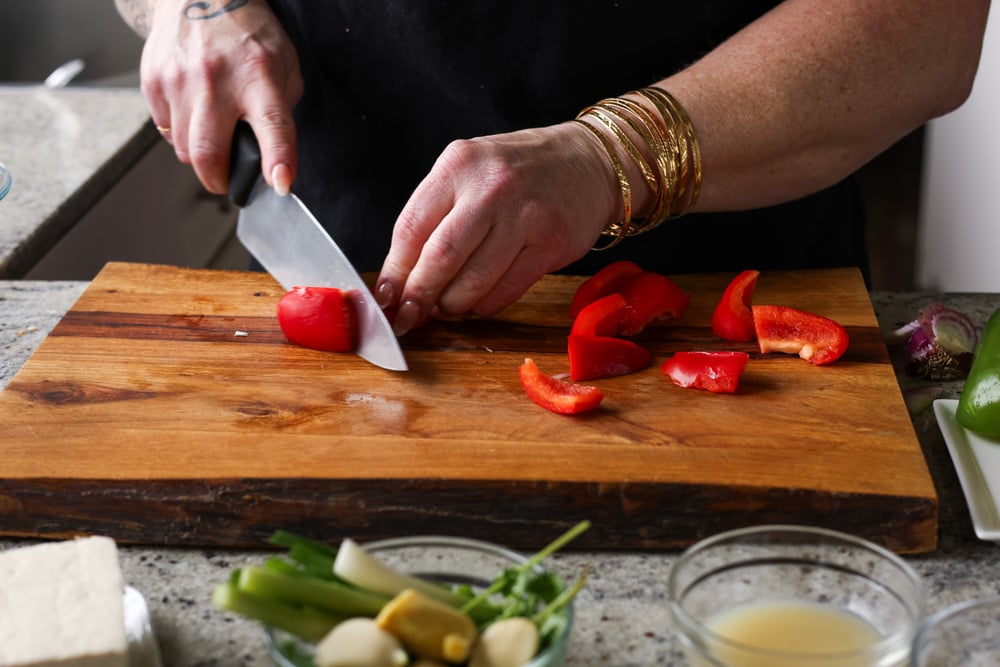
(966, 634)
(794, 596)
(454, 560)
(5, 180)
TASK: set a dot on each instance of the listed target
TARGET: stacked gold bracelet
(669, 138)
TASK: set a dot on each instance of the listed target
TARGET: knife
(290, 243)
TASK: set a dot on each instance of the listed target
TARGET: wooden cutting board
(145, 416)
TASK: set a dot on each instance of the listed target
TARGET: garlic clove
(359, 642)
(510, 642)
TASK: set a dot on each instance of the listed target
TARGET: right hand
(204, 69)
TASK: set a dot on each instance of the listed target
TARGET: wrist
(633, 154)
(653, 150)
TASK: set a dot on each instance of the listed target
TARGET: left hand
(493, 216)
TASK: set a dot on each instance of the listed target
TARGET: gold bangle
(603, 111)
(678, 153)
(658, 143)
(694, 147)
(663, 125)
(616, 229)
(647, 172)
(688, 156)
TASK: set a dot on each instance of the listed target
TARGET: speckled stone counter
(65, 148)
(622, 618)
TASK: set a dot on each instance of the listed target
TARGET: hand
(494, 215)
(207, 65)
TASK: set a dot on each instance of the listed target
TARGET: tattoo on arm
(200, 11)
(136, 13)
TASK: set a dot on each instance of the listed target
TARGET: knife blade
(296, 250)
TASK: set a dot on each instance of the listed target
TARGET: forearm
(810, 92)
(138, 14)
(135, 13)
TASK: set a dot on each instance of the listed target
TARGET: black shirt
(389, 84)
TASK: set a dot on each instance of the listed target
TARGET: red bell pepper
(600, 318)
(557, 395)
(718, 372)
(732, 318)
(321, 318)
(607, 281)
(817, 339)
(595, 357)
(649, 296)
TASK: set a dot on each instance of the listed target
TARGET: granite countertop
(65, 148)
(622, 617)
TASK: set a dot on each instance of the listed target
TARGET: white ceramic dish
(977, 462)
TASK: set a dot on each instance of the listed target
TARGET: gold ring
(162, 130)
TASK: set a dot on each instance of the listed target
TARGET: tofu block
(61, 605)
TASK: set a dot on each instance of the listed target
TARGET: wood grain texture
(143, 416)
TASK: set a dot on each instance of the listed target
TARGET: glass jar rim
(5, 180)
(952, 612)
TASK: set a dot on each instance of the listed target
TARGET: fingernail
(406, 317)
(281, 178)
(385, 294)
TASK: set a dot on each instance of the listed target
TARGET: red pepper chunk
(817, 339)
(732, 318)
(320, 318)
(595, 357)
(607, 281)
(557, 395)
(717, 372)
(600, 318)
(649, 296)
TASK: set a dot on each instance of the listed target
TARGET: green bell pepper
(979, 405)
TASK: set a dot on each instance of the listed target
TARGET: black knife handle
(244, 163)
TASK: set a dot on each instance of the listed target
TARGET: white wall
(958, 244)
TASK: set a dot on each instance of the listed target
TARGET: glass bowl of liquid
(794, 596)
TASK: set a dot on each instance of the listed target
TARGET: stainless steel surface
(294, 248)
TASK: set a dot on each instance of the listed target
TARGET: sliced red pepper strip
(600, 318)
(732, 318)
(649, 296)
(817, 339)
(557, 395)
(607, 281)
(595, 357)
(718, 372)
(321, 318)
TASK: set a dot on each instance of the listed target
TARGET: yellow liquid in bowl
(794, 634)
